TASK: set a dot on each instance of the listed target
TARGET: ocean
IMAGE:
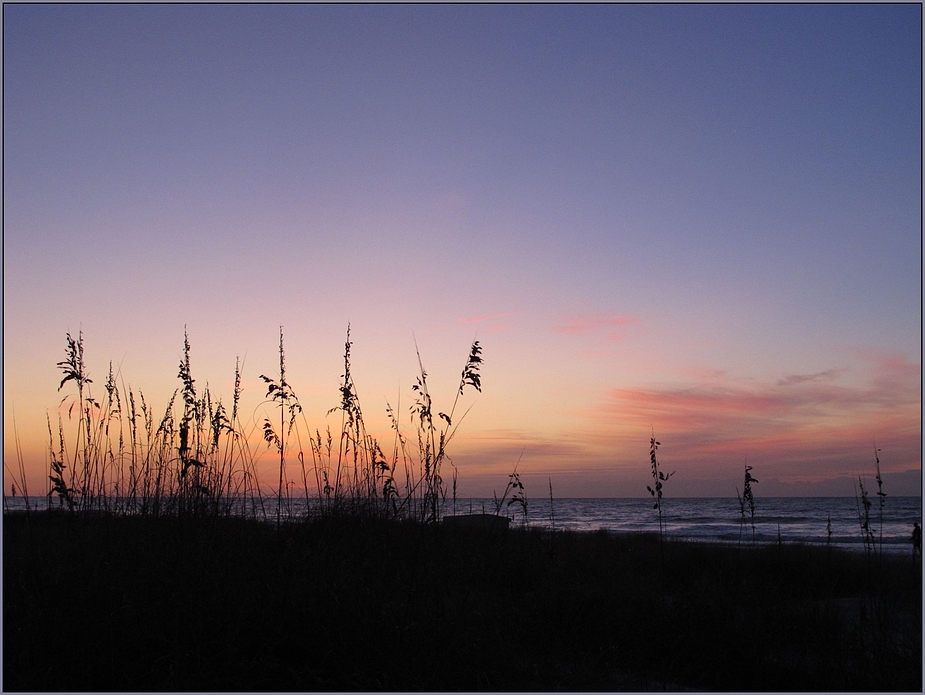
(814, 520)
(719, 519)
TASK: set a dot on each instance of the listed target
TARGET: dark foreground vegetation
(147, 579)
(115, 603)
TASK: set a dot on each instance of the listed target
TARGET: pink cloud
(891, 363)
(612, 325)
(827, 375)
(801, 423)
(578, 324)
(805, 433)
(893, 386)
(489, 317)
(489, 323)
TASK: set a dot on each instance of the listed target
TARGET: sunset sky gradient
(704, 220)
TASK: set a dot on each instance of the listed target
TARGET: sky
(698, 221)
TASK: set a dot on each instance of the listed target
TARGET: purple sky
(705, 220)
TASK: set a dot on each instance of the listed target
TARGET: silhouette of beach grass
(166, 568)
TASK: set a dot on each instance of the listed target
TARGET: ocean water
(792, 519)
(719, 519)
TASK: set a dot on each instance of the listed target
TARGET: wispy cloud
(799, 423)
(489, 323)
(485, 318)
(498, 450)
(612, 325)
(806, 435)
(827, 375)
(492, 323)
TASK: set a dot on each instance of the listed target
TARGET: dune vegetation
(121, 455)
(161, 564)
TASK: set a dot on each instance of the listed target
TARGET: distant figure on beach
(916, 538)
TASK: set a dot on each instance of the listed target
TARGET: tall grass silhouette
(881, 495)
(515, 489)
(279, 391)
(115, 455)
(659, 478)
(747, 498)
(170, 564)
(864, 505)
